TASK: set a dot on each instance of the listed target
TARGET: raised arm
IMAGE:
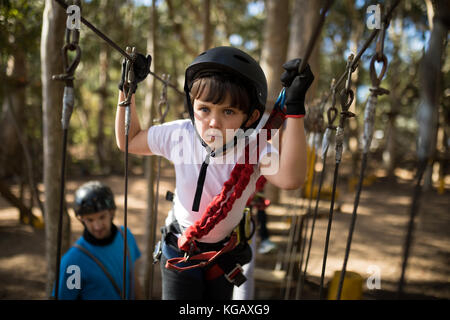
(137, 138)
(291, 171)
(292, 159)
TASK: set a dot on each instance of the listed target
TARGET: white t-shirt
(178, 142)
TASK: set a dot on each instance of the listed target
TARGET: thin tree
(273, 55)
(52, 93)
(149, 162)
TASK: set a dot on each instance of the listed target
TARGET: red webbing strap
(218, 209)
(205, 257)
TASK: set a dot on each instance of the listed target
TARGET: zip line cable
(163, 108)
(304, 61)
(308, 210)
(115, 46)
(347, 97)
(351, 67)
(326, 139)
(428, 118)
(369, 122)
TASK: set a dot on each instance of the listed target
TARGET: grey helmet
(93, 197)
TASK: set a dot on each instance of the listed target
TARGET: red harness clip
(186, 244)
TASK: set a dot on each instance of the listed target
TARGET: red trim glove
(296, 86)
(141, 68)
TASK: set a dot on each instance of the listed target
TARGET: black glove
(141, 68)
(296, 86)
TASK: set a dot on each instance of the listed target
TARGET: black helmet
(93, 197)
(232, 61)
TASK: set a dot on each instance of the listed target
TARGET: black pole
(410, 231)
(61, 213)
(330, 221)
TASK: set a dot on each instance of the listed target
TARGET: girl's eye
(204, 109)
(228, 112)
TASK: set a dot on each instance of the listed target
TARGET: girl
(226, 92)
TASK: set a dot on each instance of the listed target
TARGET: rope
(332, 114)
(71, 44)
(369, 121)
(311, 43)
(308, 213)
(316, 33)
(129, 87)
(427, 117)
(347, 96)
(366, 44)
(163, 108)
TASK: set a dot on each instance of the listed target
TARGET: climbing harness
(225, 257)
(71, 44)
(369, 122)
(220, 206)
(346, 96)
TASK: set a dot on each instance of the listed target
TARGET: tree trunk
(15, 99)
(52, 92)
(178, 29)
(428, 175)
(14, 201)
(390, 157)
(207, 32)
(273, 56)
(149, 162)
(101, 146)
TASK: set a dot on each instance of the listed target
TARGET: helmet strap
(210, 152)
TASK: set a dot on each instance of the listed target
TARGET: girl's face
(217, 123)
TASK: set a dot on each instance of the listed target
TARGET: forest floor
(377, 241)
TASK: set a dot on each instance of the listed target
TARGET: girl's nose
(214, 122)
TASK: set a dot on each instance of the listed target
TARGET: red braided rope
(218, 209)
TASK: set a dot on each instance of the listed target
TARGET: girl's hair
(215, 88)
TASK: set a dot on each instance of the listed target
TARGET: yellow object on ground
(367, 181)
(351, 289)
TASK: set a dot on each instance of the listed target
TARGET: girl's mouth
(213, 135)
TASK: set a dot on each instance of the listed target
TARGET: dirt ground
(377, 242)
